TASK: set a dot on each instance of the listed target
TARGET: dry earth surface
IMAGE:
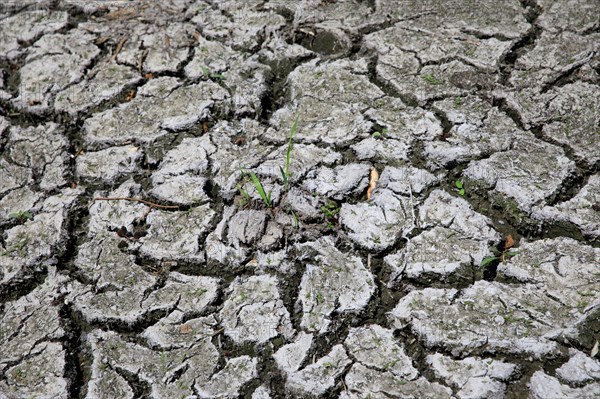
(470, 270)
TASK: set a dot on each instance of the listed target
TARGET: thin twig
(152, 204)
(405, 235)
(219, 331)
(118, 49)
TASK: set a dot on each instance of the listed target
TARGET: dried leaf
(509, 243)
(594, 351)
(149, 76)
(185, 328)
(130, 95)
(372, 182)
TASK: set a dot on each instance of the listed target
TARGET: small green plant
(266, 197)
(431, 79)
(320, 298)
(330, 211)
(242, 189)
(506, 253)
(457, 102)
(21, 216)
(459, 185)
(294, 220)
(501, 256)
(285, 174)
(211, 75)
(380, 134)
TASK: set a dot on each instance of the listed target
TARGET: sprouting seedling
(21, 216)
(330, 211)
(431, 79)
(295, 220)
(211, 75)
(380, 134)
(285, 174)
(266, 197)
(242, 189)
(501, 256)
(461, 189)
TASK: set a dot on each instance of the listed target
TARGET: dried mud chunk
(31, 325)
(486, 317)
(504, 18)
(478, 130)
(174, 235)
(333, 282)
(474, 377)
(532, 173)
(554, 54)
(228, 382)
(364, 382)
(181, 176)
(572, 15)
(254, 311)
(53, 63)
(340, 182)
(435, 47)
(246, 227)
(168, 373)
(110, 215)
(108, 165)
(162, 49)
(31, 247)
(378, 224)
(104, 82)
(304, 158)
(375, 347)
(26, 27)
(244, 76)
(237, 147)
(332, 95)
(317, 378)
(541, 386)
(566, 272)
(43, 149)
(289, 357)
(41, 375)
(162, 105)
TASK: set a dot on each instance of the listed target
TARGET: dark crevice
(74, 353)
(141, 388)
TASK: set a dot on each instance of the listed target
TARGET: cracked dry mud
(330, 292)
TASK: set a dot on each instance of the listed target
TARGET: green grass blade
(283, 176)
(261, 191)
(486, 261)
